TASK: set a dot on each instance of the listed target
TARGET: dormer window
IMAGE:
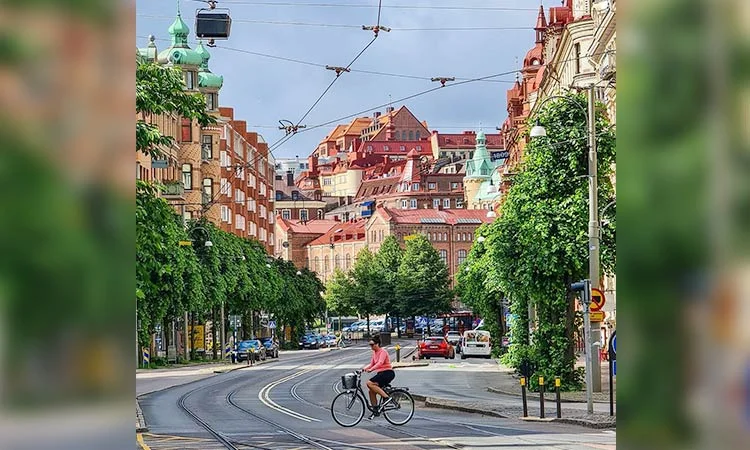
(402, 148)
(190, 80)
(385, 148)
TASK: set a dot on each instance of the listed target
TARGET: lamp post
(594, 234)
(208, 244)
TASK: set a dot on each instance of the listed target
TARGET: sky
(264, 90)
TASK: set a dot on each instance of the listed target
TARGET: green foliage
(161, 90)
(387, 261)
(422, 283)
(339, 294)
(539, 244)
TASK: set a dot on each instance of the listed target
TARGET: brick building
(450, 231)
(292, 237)
(337, 248)
(222, 172)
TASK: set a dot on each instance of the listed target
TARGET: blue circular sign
(613, 345)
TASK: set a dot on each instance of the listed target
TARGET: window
(320, 214)
(577, 50)
(187, 176)
(430, 185)
(454, 185)
(303, 215)
(190, 80)
(279, 195)
(398, 135)
(187, 130)
(411, 135)
(187, 216)
(403, 204)
(295, 195)
(413, 203)
(445, 236)
(461, 256)
(225, 188)
(325, 263)
(262, 190)
(436, 203)
(348, 261)
(207, 148)
(337, 261)
(459, 203)
(403, 147)
(208, 190)
(210, 101)
(415, 186)
(444, 256)
(385, 148)
(429, 237)
(446, 203)
(470, 237)
(417, 135)
(326, 181)
(224, 213)
(418, 147)
(369, 148)
(316, 264)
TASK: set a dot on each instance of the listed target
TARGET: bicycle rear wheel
(347, 408)
(400, 409)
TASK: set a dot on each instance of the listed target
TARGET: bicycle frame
(361, 392)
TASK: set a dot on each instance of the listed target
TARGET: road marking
(265, 397)
(139, 438)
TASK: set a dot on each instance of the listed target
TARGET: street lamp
(538, 131)
(299, 272)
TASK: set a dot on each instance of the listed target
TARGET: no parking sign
(613, 352)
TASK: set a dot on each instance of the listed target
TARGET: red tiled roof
(346, 232)
(435, 216)
(394, 147)
(468, 140)
(317, 226)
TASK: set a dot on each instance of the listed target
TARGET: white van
(476, 343)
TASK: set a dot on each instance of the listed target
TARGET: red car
(435, 346)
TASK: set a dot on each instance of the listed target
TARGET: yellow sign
(197, 337)
(541, 381)
(186, 243)
(596, 316)
(410, 237)
(557, 382)
(523, 381)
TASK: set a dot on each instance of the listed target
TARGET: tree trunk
(368, 325)
(398, 327)
(213, 332)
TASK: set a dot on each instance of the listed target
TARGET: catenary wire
(354, 5)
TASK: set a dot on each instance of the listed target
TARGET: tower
(478, 171)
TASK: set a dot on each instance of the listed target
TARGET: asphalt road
(285, 405)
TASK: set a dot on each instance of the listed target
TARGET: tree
(339, 294)
(387, 262)
(422, 284)
(366, 279)
(539, 243)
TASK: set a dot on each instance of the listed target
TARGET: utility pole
(221, 339)
(594, 263)
(587, 342)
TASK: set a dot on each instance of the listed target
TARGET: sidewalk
(466, 389)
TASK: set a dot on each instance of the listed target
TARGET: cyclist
(380, 363)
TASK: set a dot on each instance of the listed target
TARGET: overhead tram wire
(353, 27)
(287, 137)
(352, 5)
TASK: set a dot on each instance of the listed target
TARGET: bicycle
(398, 409)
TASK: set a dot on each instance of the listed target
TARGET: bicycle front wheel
(400, 409)
(348, 408)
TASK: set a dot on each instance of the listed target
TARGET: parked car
(252, 346)
(435, 346)
(322, 342)
(352, 327)
(454, 338)
(476, 343)
(331, 340)
(309, 341)
(272, 347)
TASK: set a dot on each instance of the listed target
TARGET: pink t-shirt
(380, 361)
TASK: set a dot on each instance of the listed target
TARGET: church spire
(541, 25)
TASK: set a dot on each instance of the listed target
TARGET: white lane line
(265, 397)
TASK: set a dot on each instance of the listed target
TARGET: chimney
(289, 178)
(376, 114)
(389, 109)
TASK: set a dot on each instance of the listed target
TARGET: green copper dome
(480, 165)
(206, 79)
(179, 53)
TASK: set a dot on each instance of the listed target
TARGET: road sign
(613, 346)
(272, 324)
(186, 243)
(596, 316)
(597, 300)
(159, 163)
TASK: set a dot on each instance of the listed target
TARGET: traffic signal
(578, 286)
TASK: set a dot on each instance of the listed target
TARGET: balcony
(173, 190)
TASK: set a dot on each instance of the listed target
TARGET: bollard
(557, 395)
(251, 357)
(398, 353)
(541, 397)
(523, 396)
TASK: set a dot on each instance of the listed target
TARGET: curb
(547, 396)
(244, 366)
(432, 402)
(140, 422)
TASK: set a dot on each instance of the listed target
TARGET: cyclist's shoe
(374, 415)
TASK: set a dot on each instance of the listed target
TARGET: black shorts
(383, 378)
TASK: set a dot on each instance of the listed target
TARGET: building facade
(482, 180)
(336, 249)
(220, 172)
(293, 236)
